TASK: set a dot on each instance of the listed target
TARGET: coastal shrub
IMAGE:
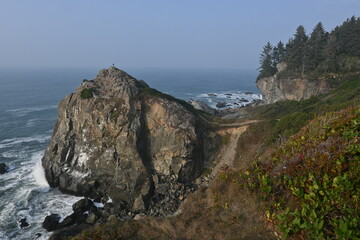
(311, 182)
(86, 93)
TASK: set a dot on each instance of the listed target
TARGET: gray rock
(221, 104)
(113, 143)
(162, 188)
(200, 105)
(139, 204)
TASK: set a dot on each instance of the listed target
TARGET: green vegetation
(314, 55)
(86, 93)
(311, 181)
(287, 117)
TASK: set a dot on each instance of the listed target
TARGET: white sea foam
(233, 99)
(13, 141)
(31, 122)
(98, 205)
(19, 112)
(38, 172)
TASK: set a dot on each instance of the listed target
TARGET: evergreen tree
(315, 47)
(266, 61)
(330, 53)
(296, 49)
(279, 53)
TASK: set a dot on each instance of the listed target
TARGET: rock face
(200, 105)
(276, 88)
(114, 134)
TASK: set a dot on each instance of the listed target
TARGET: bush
(311, 182)
(86, 93)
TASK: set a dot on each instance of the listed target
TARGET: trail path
(228, 151)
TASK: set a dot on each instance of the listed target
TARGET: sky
(155, 33)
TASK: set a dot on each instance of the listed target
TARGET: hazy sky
(155, 33)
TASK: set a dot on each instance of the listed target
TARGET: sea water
(28, 112)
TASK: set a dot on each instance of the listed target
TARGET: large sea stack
(117, 137)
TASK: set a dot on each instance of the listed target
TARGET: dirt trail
(228, 151)
(237, 124)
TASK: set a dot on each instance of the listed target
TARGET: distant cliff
(277, 88)
(118, 138)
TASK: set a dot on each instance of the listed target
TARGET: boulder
(3, 168)
(23, 223)
(221, 104)
(83, 205)
(51, 222)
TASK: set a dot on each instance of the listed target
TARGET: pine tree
(315, 47)
(296, 49)
(279, 53)
(330, 52)
(266, 61)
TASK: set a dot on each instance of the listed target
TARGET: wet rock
(23, 223)
(51, 222)
(212, 95)
(221, 104)
(3, 168)
(37, 235)
(83, 205)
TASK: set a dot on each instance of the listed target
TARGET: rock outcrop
(115, 136)
(200, 105)
(3, 168)
(277, 88)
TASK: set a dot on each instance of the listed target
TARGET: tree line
(317, 53)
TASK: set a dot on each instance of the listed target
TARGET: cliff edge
(277, 88)
(115, 138)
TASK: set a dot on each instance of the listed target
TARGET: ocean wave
(14, 141)
(30, 198)
(32, 122)
(38, 172)
(19, 112)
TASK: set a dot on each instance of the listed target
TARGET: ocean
(28, 111)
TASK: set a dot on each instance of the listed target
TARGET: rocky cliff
(277, 88)
(118, 138)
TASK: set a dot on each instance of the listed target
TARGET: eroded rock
(113, 141)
